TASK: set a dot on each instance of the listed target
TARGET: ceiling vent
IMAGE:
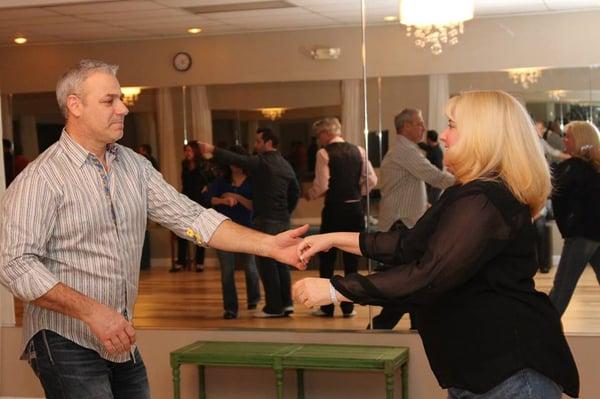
(252, 6)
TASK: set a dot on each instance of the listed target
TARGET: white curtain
(439, 93)
(167, 147)
(7, 306)
(201, 116)
(352, 112)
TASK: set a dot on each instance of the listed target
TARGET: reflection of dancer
(72, 229)
(469, 262)
(575, 201)
(195, 177)
(231, 195)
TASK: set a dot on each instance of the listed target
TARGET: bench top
(292, 355)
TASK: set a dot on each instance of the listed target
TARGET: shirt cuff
(205, 226)
(33, 283)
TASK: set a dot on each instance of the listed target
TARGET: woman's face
(449, 136)
(188, 153)
(569, 142)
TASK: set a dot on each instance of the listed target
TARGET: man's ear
(74, 105)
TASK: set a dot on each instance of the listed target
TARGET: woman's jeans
(577, 253)
(69, 371)
(230, 299)
(525, 384)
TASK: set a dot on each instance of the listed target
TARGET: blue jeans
(69, 371)
(525, 384)
(577, 253)
(230, 299)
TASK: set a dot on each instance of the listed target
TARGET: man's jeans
(525, 384)
(69, 371)
(577, 253)
(227, 261)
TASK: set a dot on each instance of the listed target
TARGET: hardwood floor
(189, 300)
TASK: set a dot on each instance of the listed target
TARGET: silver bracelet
(332, 294)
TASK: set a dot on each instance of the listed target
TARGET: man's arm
(321, 182)
(417, 165)
(249, 162)
(368, 178)
(232, 237)
(114, 332)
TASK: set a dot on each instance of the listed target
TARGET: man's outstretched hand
(283, 247)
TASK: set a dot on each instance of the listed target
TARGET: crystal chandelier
(435, 22)
(272, 113)
(557, 95)
(130, 95)
(525, 76)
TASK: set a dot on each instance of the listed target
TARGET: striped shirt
(66, 219)
(404, 172)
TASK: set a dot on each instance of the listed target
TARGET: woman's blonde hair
(586, 141)
(497, 141)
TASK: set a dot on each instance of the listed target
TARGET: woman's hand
(312, 245)
(229, 201)
(312, 291)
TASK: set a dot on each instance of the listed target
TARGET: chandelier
(130, 95)
(557, 95)
(272, 113)
(435, 22)
(525, 76)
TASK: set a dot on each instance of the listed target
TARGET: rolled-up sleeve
(28, 217)
(178, 213)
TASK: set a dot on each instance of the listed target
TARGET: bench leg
(201, 382)
(404, 381)
(279, 381)
(389, 385)
(176, 380)
(300, 378)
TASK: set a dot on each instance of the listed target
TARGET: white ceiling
(59, 21)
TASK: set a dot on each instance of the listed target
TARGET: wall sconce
(272, 113)
(130, 95)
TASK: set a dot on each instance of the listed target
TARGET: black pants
(390, 316)
(341, 216)
(182, 252)
(275, 276)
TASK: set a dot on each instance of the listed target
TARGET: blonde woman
(575, 202)
(467, 266)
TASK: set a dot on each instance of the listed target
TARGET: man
(404, 172)
(276, 192)
(342, 176)
(71, 238)
(435, 155)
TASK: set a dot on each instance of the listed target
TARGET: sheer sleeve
(469, 232)
(385, 247)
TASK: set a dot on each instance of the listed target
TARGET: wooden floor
(189, 300)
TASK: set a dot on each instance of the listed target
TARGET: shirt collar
(406, 142)
(79, 155)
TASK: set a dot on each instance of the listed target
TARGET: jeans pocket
(32, 358)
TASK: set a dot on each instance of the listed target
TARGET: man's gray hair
(331, 125)
(72, 80)
(406, 115)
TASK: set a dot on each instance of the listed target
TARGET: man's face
(322, 138)
(259, 144)
(414, 129)
(101, 112)
(539, 128)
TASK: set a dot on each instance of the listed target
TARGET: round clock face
(182, 61)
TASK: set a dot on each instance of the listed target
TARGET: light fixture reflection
(272, 113)
(130, 95)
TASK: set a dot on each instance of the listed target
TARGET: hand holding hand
(114, 332)
(206, 149)
(312, 245)
(312, 292)
(230, 201)
(284, 247)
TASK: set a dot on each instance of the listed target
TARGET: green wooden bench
(281, 356)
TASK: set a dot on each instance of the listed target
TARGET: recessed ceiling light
(390, 18)
(193, 31)
(20, 40)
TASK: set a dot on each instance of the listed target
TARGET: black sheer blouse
(466, 269)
